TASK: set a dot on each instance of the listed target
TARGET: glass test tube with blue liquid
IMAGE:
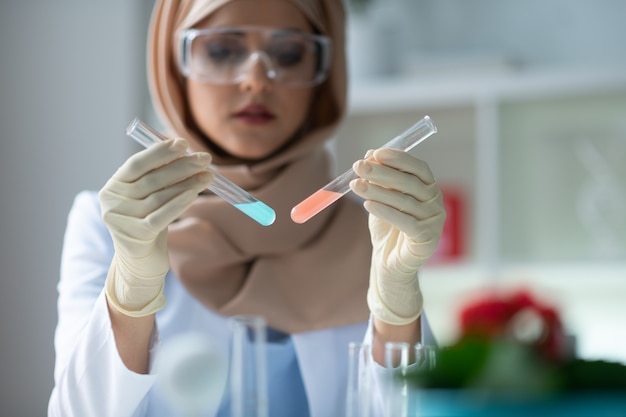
(221, 186)
(340, 186)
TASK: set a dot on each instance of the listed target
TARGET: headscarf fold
(299, 277)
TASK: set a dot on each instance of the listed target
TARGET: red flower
(518, 316)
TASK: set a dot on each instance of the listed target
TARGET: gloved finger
(163, 176)
(420, 230)
(166, 175)
(392, 178)
(400, 201)
(142, 207)
(382, 212)
(404, 161)
(171, 210)
(148, 227)
(151, 158)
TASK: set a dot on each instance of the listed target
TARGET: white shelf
(492, 127)
(384, 95)
(500, 138)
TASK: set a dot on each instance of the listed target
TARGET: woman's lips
(255, 114)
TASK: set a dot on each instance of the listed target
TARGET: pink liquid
(313, 204)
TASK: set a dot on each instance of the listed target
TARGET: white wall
(433, 35)
(71, 78)
(533, 32)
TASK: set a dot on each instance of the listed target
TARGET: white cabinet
(539, 157)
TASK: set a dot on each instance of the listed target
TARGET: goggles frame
(323, 58)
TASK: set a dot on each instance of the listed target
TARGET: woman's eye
(287, 55)
(224, 51)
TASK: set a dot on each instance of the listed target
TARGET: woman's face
(254, 118)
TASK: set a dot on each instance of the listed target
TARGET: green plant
(515, 346)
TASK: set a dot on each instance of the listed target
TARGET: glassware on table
(425, 356)
(248, 376)
(358, 395)
(192, 373)
(397, 359)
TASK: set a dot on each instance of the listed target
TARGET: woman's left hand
(406, 221)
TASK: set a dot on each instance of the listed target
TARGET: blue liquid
(259, 211)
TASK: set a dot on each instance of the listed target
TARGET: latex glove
(148, 192)
(406, 221)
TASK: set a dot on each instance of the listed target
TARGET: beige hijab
(299, 277)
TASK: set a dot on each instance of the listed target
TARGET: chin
(248, 156)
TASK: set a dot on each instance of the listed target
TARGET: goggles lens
(225, 55)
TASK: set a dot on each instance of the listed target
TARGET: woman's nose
(259, 74)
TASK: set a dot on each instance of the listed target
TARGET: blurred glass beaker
(397, 391)
(359, 382)
(249, 367)
(425, 356)
(192, 373)
(425, 360)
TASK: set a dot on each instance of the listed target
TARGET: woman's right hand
(148, 192)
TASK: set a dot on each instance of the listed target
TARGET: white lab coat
(91, 379)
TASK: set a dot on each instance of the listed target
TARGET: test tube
(338, 187)
(248, 372)
(221, 186)
(425, 356)
(397, 362)
(358, 395)
(425, 361)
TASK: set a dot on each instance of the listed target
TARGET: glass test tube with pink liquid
(340, 186)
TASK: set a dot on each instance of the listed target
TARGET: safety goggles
(224, 55)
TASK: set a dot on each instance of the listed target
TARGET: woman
(255, 88)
